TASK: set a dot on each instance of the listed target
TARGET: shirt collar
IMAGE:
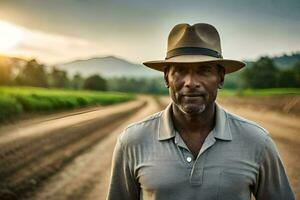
(222, 129)
(166, 129)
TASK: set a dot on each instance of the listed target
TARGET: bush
(9, 107)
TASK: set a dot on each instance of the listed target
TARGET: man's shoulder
(146, 121)
(245, 127)
(141, 131)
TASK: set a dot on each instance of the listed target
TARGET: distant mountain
(109, 66)
(287, 61)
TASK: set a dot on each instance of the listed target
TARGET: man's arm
(122, 183)
(272, 180)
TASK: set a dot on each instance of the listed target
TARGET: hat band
(193, 51)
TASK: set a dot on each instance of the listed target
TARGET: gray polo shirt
(238, 157)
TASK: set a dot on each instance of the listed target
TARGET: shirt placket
(196, 166)
(188, 157)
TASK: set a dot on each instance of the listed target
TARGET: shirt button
(189, 159)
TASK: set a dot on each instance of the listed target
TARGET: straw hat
(199, 43)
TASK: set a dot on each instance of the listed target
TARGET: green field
(17, 100)
(261, 92)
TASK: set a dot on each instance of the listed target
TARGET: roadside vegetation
(18, 100)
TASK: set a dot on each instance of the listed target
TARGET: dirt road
(87, 176)
(31, 153)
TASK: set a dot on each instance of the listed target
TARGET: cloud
(53, 48)
(138, 30)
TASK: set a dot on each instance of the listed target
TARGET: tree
(286, 78)
(5, 74)
(58, 78)
(33, 74)
(234, 80)
(95, 82)
(262, 74)
(155, 86)
(296, 71)
(77, 81)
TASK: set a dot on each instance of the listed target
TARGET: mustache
(193, 93)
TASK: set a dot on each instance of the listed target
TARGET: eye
(207, 70)
(180, 69)
(204, 70)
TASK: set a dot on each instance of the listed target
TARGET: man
(194, 149)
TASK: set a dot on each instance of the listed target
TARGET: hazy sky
(61, 30)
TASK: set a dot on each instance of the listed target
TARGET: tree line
(263, 73)
(32, 73)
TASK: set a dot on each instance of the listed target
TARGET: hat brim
(229, 65)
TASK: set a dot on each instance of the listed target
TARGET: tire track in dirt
(18, 132)
(87, 177)
(64, 145)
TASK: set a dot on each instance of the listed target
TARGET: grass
(17, 100)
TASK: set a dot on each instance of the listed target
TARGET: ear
(166, 79)
(166, 73)
(221, 71)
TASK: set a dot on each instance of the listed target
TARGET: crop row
(17, 100)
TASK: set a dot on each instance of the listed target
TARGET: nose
(191, 81)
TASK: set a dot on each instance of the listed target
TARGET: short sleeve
(272, 180)
(122, 185)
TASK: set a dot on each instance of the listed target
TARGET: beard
(192, 110)
(191, 105)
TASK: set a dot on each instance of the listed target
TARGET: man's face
(193, 87)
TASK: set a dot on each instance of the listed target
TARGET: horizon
(131, 62)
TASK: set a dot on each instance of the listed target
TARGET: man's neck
(201, 123)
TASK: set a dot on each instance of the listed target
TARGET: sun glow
(10, 36)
